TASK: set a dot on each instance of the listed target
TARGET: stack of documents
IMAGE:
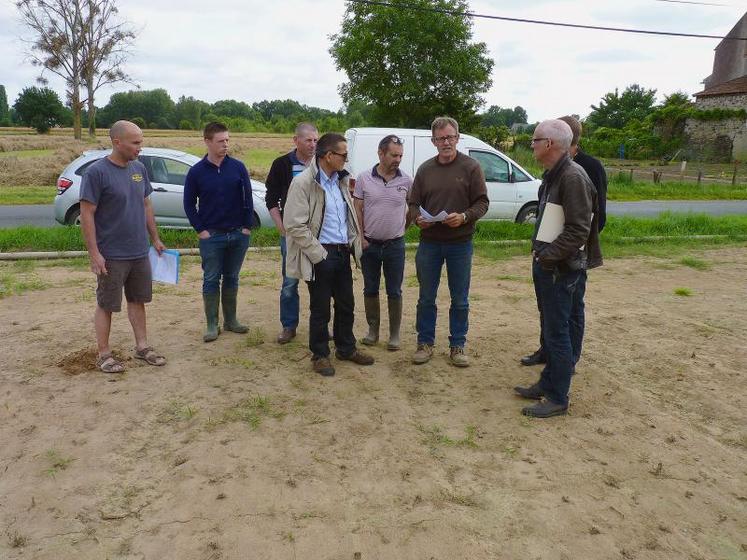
(164, 267)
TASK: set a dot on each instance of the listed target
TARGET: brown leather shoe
(286, 335)
(323, 366)
(357, 357)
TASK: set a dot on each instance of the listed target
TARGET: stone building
(725, 88)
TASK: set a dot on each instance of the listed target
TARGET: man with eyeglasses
(564, 245)
(380, 199)
(595, 170)
(322, 231)
(282, 172)
(452, 182)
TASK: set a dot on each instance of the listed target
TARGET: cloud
(613, 56)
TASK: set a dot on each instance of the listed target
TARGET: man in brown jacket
(564, 245)
(452, 183)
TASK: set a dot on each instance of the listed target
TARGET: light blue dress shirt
(335, 224)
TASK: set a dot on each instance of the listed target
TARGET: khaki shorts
(133, 275)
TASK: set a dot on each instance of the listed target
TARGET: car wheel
(73, 217)
(528, 214)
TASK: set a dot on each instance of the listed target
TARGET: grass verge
(14, 196)
(624, 232)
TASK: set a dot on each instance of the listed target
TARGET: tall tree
(4, 109)
(412, 64)
(57, 44)
(40, 108)
(616, 110)
(106, 43)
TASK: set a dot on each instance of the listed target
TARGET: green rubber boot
(230, 323)
(373, 318)
(395, 321)
(211, 303)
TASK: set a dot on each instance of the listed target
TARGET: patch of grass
(27, 195)
(252, 411)
(17, 283)
(176, 411)
(694, 262)
(514, 278)
(17, 540)
(57, 462)
(685, 292)
(466, 500)
(255, 337)
(412, 281)
(622, 189)
(232, 361)
(26, 153)
(434, 437)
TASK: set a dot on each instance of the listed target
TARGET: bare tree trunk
(91, 109)
(76, 107)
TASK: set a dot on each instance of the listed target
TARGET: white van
(512, 190)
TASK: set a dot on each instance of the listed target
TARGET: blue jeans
(391, 256)
(428, 263)
(289, 303)
(577, 320)
(222, 256)
(562, 300)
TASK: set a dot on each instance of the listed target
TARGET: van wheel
(73, 217)
(528, 214)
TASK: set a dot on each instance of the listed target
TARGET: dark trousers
(561, 296)
(222, 256)
(577, 320)
(389, 255)
(333, 279)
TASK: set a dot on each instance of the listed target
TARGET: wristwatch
(464, 217)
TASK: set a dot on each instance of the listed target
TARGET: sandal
(150, 356)
(109, 364)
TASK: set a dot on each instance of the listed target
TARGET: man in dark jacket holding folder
(564, 245)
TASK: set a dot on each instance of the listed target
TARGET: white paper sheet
(164, 268)
(440, 217)
(553, 221)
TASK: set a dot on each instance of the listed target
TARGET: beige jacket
(302, 218)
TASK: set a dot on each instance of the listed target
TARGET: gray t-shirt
(118, 193)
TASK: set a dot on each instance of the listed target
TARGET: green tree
(412, 64)
(617, 110)
(152, 105)
(4, 109)
(40, 108)
(190, 109)
(233, 108)
(497, 116)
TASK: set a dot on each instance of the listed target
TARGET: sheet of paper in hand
(164, 268)
(440, 217)
(553, 221)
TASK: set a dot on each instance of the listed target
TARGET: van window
(520, 176)
(495, 168)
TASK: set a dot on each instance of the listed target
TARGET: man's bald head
(120, 129)
(127, 140)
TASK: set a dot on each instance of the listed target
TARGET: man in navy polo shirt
(380, 199)
(222, 219)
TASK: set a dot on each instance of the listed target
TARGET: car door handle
(160, 189)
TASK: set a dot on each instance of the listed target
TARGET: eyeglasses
(345, 155)
(537, 140)
(442, 139)
(391, 139)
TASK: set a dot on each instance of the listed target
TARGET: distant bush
(184, 124)
(140, 121)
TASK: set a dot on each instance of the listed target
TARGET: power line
(541, 22)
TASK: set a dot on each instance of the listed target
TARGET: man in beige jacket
(322, 231)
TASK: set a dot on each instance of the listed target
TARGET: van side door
(501, 190)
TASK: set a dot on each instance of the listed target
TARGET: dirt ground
(236, 450)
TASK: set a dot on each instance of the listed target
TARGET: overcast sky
(252, 50)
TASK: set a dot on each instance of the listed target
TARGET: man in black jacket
(564, 245)
(281, 174)
(595, 170)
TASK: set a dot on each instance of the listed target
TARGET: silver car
(167, 170)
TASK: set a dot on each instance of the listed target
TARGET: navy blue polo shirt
(218, 197)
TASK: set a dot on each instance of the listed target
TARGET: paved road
(42, 215)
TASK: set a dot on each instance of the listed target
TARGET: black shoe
(323, 366)
(545, 409)
(534, 392)
(537, 357)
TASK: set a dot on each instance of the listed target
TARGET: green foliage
(152, 105)
(4, 109)
(191, 110)
(412, 65)
(496, 116)
(616, 110)
(140, 121)
(184, 124)
(40, 108)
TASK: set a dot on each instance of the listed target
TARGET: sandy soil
(236, 450)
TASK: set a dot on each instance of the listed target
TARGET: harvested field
(237, 450)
